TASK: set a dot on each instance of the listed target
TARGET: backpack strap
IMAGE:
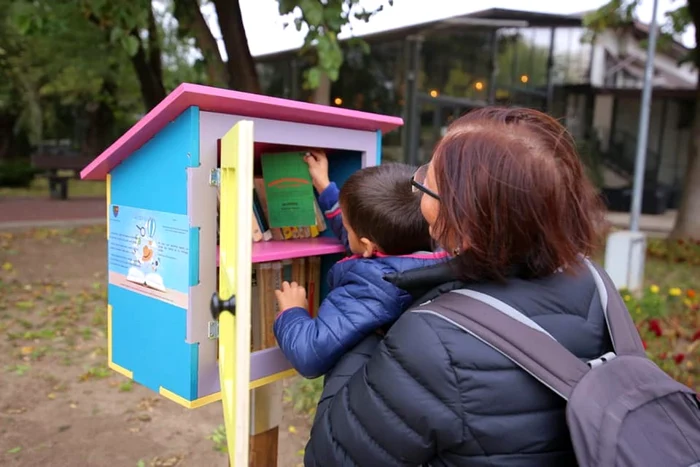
(512, 334)
(623, 332)
(526, 343)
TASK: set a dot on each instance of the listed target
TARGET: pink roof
(233, 102)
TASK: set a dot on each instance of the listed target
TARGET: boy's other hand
(291, 296)
(318, 169)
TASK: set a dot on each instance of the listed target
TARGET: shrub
(669, 324)
(676, 251)
(16, 174)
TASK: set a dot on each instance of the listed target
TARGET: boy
(377, 217)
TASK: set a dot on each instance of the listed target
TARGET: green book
(290, 194)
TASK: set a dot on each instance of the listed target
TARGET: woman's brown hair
(514, 196)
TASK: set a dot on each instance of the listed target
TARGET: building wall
(628, 45)
(602, 119)
(667, 136)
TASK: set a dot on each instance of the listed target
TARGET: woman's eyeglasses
(418, 182)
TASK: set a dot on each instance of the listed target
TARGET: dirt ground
(60, 405)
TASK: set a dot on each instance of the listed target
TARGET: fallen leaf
(73, 405)
(144, 417)
(51, 396)
(7, 266)
(25, 304)
(292, 429)
(27, 350)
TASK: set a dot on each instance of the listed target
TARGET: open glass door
(233, 301)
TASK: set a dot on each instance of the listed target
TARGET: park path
(17, 213)
(20, 213)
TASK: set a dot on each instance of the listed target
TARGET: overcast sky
(266, 34)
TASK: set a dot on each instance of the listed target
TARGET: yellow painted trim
(195, 404)
(272, 378)
(235, 251)
(108, 197)
(216, 397)
(110, 363)
(122, 371)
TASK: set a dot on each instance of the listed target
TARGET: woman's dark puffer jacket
(431, 394)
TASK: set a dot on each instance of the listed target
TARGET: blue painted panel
(379, 147)
(327, 262)
(342, 164)
(193, 151)
(194, 370)
(194, 256)
(148, 338)
(148, 335)
(155, 176)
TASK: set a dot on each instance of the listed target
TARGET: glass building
(433, 72)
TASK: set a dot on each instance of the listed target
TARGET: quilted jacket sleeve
(389, 403)
(328, 202)
(355, 308)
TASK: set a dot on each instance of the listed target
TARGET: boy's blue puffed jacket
(359, 303)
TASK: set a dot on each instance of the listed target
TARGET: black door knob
(217, 305)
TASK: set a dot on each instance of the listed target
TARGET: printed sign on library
(149, 253)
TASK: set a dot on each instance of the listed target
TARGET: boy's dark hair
(379, 204)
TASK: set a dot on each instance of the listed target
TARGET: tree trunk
(146, 63)
(240, 65)
(688, 220)
(191, 22)
(155, 60)
(322, 94)
(150, 80)
(13, 145)
(100, 122)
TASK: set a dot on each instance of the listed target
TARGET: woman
(507, 194)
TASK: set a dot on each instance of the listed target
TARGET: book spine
(260, 190)
(313, 276)
(273, 309)
(255, 331)
(256, 232)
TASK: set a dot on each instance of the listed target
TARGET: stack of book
(262, 231)
(268, 277)
(284, 208)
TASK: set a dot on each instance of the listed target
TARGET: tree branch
(243, 75)
(154, 56)
(191, 22)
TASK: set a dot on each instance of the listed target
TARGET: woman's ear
(369, 246)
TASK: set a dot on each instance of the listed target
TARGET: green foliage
(620, 16)
(122, 20)
(16, 174)
(218, 437)
(304, 395)
(65, 76)
(324, 22)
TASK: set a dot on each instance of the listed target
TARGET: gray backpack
(622, 409)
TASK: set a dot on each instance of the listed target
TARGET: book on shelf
(261, 230)
(289, 191)
(267, 277)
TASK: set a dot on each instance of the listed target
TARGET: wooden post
(265, 419)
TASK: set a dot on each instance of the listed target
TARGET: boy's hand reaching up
(318, 169)
(291, 296)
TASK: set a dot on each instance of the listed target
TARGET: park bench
(60, 164)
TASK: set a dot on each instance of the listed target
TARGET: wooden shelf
(264, 252)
